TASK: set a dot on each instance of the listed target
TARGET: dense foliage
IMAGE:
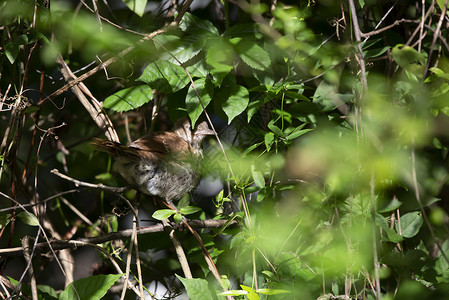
(327, 177)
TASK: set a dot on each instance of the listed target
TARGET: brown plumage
(163, 164)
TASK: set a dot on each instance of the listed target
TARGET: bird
(163, 164)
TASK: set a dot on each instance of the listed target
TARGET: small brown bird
(163, 164)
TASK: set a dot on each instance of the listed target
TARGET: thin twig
(435, 36)
(99, 186)
(94, 108)
(128, 259)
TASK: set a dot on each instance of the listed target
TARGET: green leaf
(91, 288)
(220, 57)
(259, 180)
(394, 204)
(251, 53)
(163, 214)
(271, 291)
(178, 218)
(197, 288)
(297, 133)
(372, 53)
(269, 139)
(12, 50)
(274, 128)
(253, 107)
(251, 148)
(234, 293)
(380, 221)
(392, 236)
(28, 218)
(175, 49)
(232, 98)
(251, 292)
(224, 282)
(440, 73)
(4, 220)
(441, 264)
(410, 224)
(188, 210)
(47, 290)
(137, 6)
(165, 76)
(197, 26)
(206, 91)
(129, 98)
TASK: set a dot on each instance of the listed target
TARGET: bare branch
(60, 244)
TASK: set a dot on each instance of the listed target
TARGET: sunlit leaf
(129, 98)
(271, 291)
(165, 76)
(4, 220)
(188, 210)
(251, 53)
(137, 6)
(197, 288)
(28, 218)
(90, 288)
(259, 180)
(163, 214)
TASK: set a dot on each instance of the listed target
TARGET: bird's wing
(161, 144)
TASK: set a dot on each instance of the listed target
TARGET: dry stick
(79, 214)
(128, 260)
(99, 186)
(45, 200)
(65, 255)
(5, 284)
(421, 25)
(412, 36)
(136, 249)
(178, 249)
(210, 263)
(435, 35)
(357, 34)
(102, 120)
(26, 252)
(138, 263)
